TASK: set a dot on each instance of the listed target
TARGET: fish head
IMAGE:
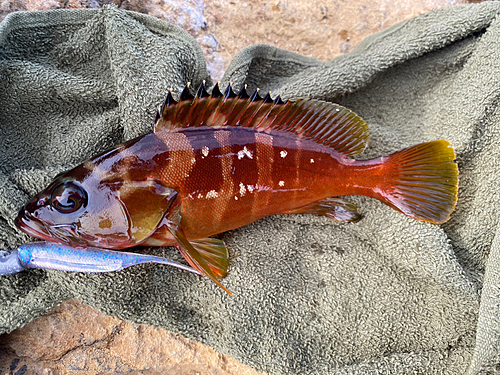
(77, 210)
(83, 208)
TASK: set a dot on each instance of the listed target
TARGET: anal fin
(334, 208)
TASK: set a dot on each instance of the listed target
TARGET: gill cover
(146, 203)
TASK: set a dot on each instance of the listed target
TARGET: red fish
(218, 162)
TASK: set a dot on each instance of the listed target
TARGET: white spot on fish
(243, 190)
(312, 161)
(235, 198)
(245, 152)
(283, 153)
(200, 196)
(281, 183)
(193, 160)
(205, 150)
(250, 188)
(212, 194)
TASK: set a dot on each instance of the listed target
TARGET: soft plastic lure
(54, 256)
(221, 161)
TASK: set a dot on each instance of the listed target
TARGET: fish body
(55, 256)
(218, 162)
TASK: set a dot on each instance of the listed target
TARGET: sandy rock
(75, 338)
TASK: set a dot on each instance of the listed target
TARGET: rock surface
(77, 339)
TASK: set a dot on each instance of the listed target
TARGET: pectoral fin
(208, 255)
(334, 208)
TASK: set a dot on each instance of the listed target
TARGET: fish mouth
(63, 233)
(32, 227)
(67, 234)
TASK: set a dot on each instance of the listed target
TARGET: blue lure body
(54, 256)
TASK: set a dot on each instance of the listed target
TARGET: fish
(218, 161)
(56, 256)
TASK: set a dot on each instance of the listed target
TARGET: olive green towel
(387, 295)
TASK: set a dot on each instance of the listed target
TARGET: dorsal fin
(323, 122)
(186, 94)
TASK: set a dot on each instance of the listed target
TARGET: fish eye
(68, 197)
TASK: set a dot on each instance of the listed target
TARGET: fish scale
(216, 162)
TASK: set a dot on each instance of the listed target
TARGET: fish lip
(63, 233)
(31, 226)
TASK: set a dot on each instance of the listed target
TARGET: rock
(75, 338)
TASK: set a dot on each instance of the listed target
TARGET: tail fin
(422, 181)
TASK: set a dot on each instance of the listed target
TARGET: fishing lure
(216, 162)
(55, 256)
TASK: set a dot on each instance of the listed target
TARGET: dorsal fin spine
(216, 93)
(239, 115)
(169, 100)
(176, 109)
(192, 108)
(243, 94)
(247, 121)
(229, 93)
(255, 96)
(254, 113)
(203, 110)
(189, 107)
(268, 98)
(271, 107)
(202, 91)
(186, 94)
(230, 108)
(200, 94)
(278, 101)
